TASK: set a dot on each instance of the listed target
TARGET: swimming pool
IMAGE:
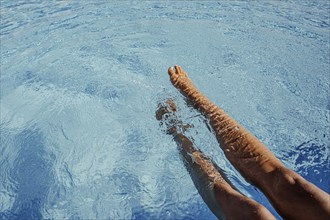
(80, 84)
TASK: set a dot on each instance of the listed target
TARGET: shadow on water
(32, 174)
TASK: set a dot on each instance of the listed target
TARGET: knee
(287, 181)
(260, 212)
(250, 209)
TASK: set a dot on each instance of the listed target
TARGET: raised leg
(217, 192)
(291, 195)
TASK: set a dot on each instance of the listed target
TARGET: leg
(291, 195)
(215, 189)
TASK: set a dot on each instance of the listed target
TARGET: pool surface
(81, 81)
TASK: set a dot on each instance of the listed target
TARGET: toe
(162, 110)
(171, 105)
(178, 69)
(171, 71)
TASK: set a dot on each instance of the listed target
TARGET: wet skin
(219, 194)
(291, 195)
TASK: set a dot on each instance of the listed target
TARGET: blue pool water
(81, 80)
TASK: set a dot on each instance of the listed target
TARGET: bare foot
(184, 84)
(181, 81)
(164, 109)
(166, 115)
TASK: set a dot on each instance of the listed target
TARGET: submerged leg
(291, 195)
(217, 192)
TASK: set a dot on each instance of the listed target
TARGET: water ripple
(79, 82)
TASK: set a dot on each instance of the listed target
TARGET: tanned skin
(217, 192)
(292, 196)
